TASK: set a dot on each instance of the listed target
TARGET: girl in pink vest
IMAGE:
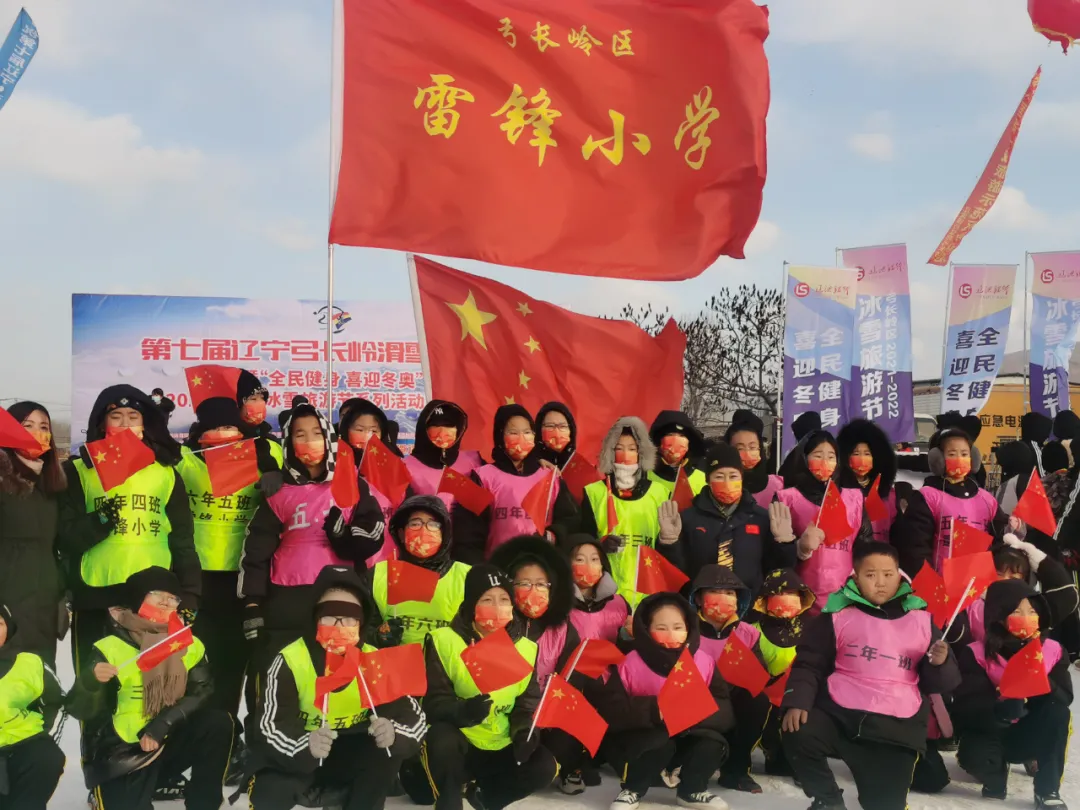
(637, 743)
(599, 611)
(859, 685)
(996, 731)
(514, 471)
(440, 429)
(823, 568)
(866, 456)
(747, 435)
(923, 533)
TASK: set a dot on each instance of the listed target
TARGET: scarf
(34, 465)
(166, 683)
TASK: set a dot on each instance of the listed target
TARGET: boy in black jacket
(859, 684)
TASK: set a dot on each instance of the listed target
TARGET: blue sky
(182, 148)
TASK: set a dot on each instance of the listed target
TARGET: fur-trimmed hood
(856, 432)
(636, 428)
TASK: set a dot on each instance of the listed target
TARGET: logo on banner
(802, 289)
(1047, 276)
(341, 317)
(862, 273)
(965, 291)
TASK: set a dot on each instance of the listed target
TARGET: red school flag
(577, 474)
(776, 690)
(384, 471)
(876, 509)
(340, 671)
(1034, 508)
(930, 587)
(684, 699)
(494, 662)
(116, 458)
(539, 499)
(392, 673)
(992, 180)
(967, 539)
(406, 582)
(592, 658)
(178, 638)
(740, 667)
(211, 382)
(682, 493)
(345, 487)
(655, 574)
(489, 345)
(465, 491)
(13, 435)
(959, 573)
(1025, 674)
(605, 139)
(565, 708)
(231, 467)
(832, 517)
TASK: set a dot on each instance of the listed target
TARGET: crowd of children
(191, 609)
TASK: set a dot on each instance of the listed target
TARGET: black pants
(882, 772)
(87, 627)
(33, 769)
(639, 757)
(355, 764)
(452, 762)
(568, 752)
(219, 624)
(931, 775)
(751, 714)
(771, 743)
(1041, 735)
(203, 743)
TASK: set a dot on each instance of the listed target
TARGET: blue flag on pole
(15, 54)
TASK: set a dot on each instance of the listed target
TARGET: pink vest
(764, 498)
(640, 681)
(604, 623)
(746, 633)
(304, 549)
(877, 661)
(389, 550)
(996, 668)
(827, 570)
(977, 511)
(976, 612)
(882, 527)
(549, 648)
(425, 479)
(508, 519)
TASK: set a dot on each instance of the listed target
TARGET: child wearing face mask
(996, 731)
(628, 495)
(746, 433)
(439, 430)
(859, 686)
(923, 533)
(823, 567)
(251, 399)
(726, 526)
(337, 747)
(637, 743)
(480, 740)
(599, 612)
(557, 441)
(422, 529)
(866, 456)
(679, 446)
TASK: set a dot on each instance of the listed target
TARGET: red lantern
(1057, 20)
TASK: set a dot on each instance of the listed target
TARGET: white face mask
(157, 399)
(626, 475)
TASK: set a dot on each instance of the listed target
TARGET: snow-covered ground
(780, 794)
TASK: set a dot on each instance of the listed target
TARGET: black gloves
(253, 622)
(611, 544)
(524, 748)
(389, 633)
(271, 482)
(106, 517)
(1009, 710)
(472, 712)
(334, 525)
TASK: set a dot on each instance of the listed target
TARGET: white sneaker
(626, 800)
(572, 784)
(702, 800)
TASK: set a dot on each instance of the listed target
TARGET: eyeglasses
(339, 621)
(167, 598)
(420, 523)
(559, 428)
(542, 587)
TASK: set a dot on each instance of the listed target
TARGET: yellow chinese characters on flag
(575, 136)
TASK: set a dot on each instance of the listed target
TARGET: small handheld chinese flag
(612, 512)
(577, 474)
(875, 507)
(930, 587)
(967, 539)
(959, 571)
(384, 471)
(345, 488)
(740, 667)
(494, 662)
(593, 656)
(117, 458)
(406, 582)
(832, 517)
(684, 699)
(465, 491)
(340, 671)
(1034, 508)
(1025, 675)
(682, 494)
(393, 673)
(178, 639)
(655, 574)
(565, 708)
(538, 500)
(211, 381)
(776, 690)
(13, 435)
(231, 467)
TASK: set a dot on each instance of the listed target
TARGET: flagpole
(154, 646)
(780, 387)
(574, 663)
(367, 694)
(945, 337)
(539, 708)
(839, 261)
(1027, 345)
(956, 612)
(418, 316)
(337, 86)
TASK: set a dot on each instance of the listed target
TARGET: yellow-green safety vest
(777, 658)
(420, 618)
(130, 718)
(141, 537)
(696, 479)
(220, 523)
(639, 525)
(493, 734)
(344, 708)
(22, 685)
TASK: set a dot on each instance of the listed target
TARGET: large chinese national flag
(489, 345)
(622, 139)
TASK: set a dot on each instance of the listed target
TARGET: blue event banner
(15, 54)
(1055, 309)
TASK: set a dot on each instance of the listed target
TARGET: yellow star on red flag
(473, 319)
